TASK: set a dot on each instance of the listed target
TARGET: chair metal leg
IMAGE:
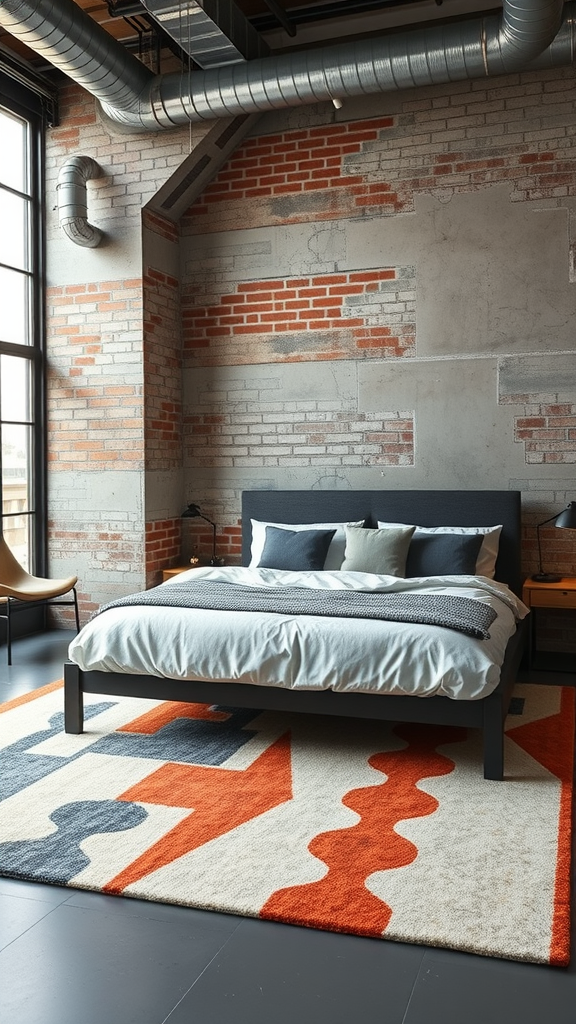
(8, 631)
(76, 609)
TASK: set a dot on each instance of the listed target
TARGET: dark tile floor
(74, 957)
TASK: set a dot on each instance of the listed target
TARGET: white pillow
(335, 555)
(486, 562)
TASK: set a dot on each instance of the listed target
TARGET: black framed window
(22, 450)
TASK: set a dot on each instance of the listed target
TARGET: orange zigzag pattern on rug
(354, 853)
(221, 799)
(550, 741)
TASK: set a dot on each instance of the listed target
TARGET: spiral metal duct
(529, 34)
(72, 200)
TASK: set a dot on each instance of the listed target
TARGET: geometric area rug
(364, 827)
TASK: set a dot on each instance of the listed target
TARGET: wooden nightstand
(547, 595)
(167, 574)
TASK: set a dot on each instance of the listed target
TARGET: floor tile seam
(29, 928)
(201, 974)
(417, 974)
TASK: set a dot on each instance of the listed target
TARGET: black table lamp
(567, 520)
(193, 512)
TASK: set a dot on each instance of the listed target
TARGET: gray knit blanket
(461, 613)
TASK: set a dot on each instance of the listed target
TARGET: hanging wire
(190, 67)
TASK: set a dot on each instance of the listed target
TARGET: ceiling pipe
(530, 34)
(71, 191)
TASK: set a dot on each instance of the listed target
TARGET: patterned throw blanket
(461, 613)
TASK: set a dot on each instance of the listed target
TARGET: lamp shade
(192, 512)
(567, 518)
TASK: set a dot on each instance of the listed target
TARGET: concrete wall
(379, 296)
(386, 295)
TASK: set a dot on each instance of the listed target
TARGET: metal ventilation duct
(72, 200)
(212, 32)
(530, 34)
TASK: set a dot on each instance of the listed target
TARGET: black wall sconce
(565, 519)
(193, 512)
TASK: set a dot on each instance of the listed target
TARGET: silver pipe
(71, 190)
(528, 35)
(69, 39)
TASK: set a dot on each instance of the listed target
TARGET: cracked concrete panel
(260, 253)
(236, 480)
(79, 493)
(118, 257)
(160, 253)
(317, 383)
(319, 250)
(549, 374)
(463, 438)
(164, 492)
(492, 276)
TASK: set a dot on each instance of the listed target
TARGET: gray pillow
(379, 551)
(295, 550)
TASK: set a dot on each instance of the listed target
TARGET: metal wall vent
(188, 179)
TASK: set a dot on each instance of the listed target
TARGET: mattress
(306, 652)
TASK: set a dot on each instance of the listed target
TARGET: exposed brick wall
(160, 226)
(548, 433)
(77, 112)
(107, 549)
(298, 434)
(558, 548)
(98, 414)
(355, 315)
(95, 376)
(163, 546)
(464, 136)
(162, 371)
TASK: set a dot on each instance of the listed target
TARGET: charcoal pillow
(296, 550)
(379, 551)
(443, 554)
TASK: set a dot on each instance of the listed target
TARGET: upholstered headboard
(422, 508)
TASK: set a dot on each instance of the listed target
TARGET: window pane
(13, 136)
(17, 534)
(16, 476)
(14, 307)
(15, 397)
(14, 233)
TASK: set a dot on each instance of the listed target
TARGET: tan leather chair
(19, 590)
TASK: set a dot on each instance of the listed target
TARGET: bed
(479, 697)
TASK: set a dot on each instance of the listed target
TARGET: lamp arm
(213, 525)
(200, 516)
(549, 520)
(538, 536)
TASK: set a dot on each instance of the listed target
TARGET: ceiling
(283, 24)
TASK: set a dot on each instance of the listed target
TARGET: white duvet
(306, 652)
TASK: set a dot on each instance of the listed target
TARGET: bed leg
(73, 699)
(493, 736)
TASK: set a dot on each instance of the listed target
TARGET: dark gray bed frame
(426, 508)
